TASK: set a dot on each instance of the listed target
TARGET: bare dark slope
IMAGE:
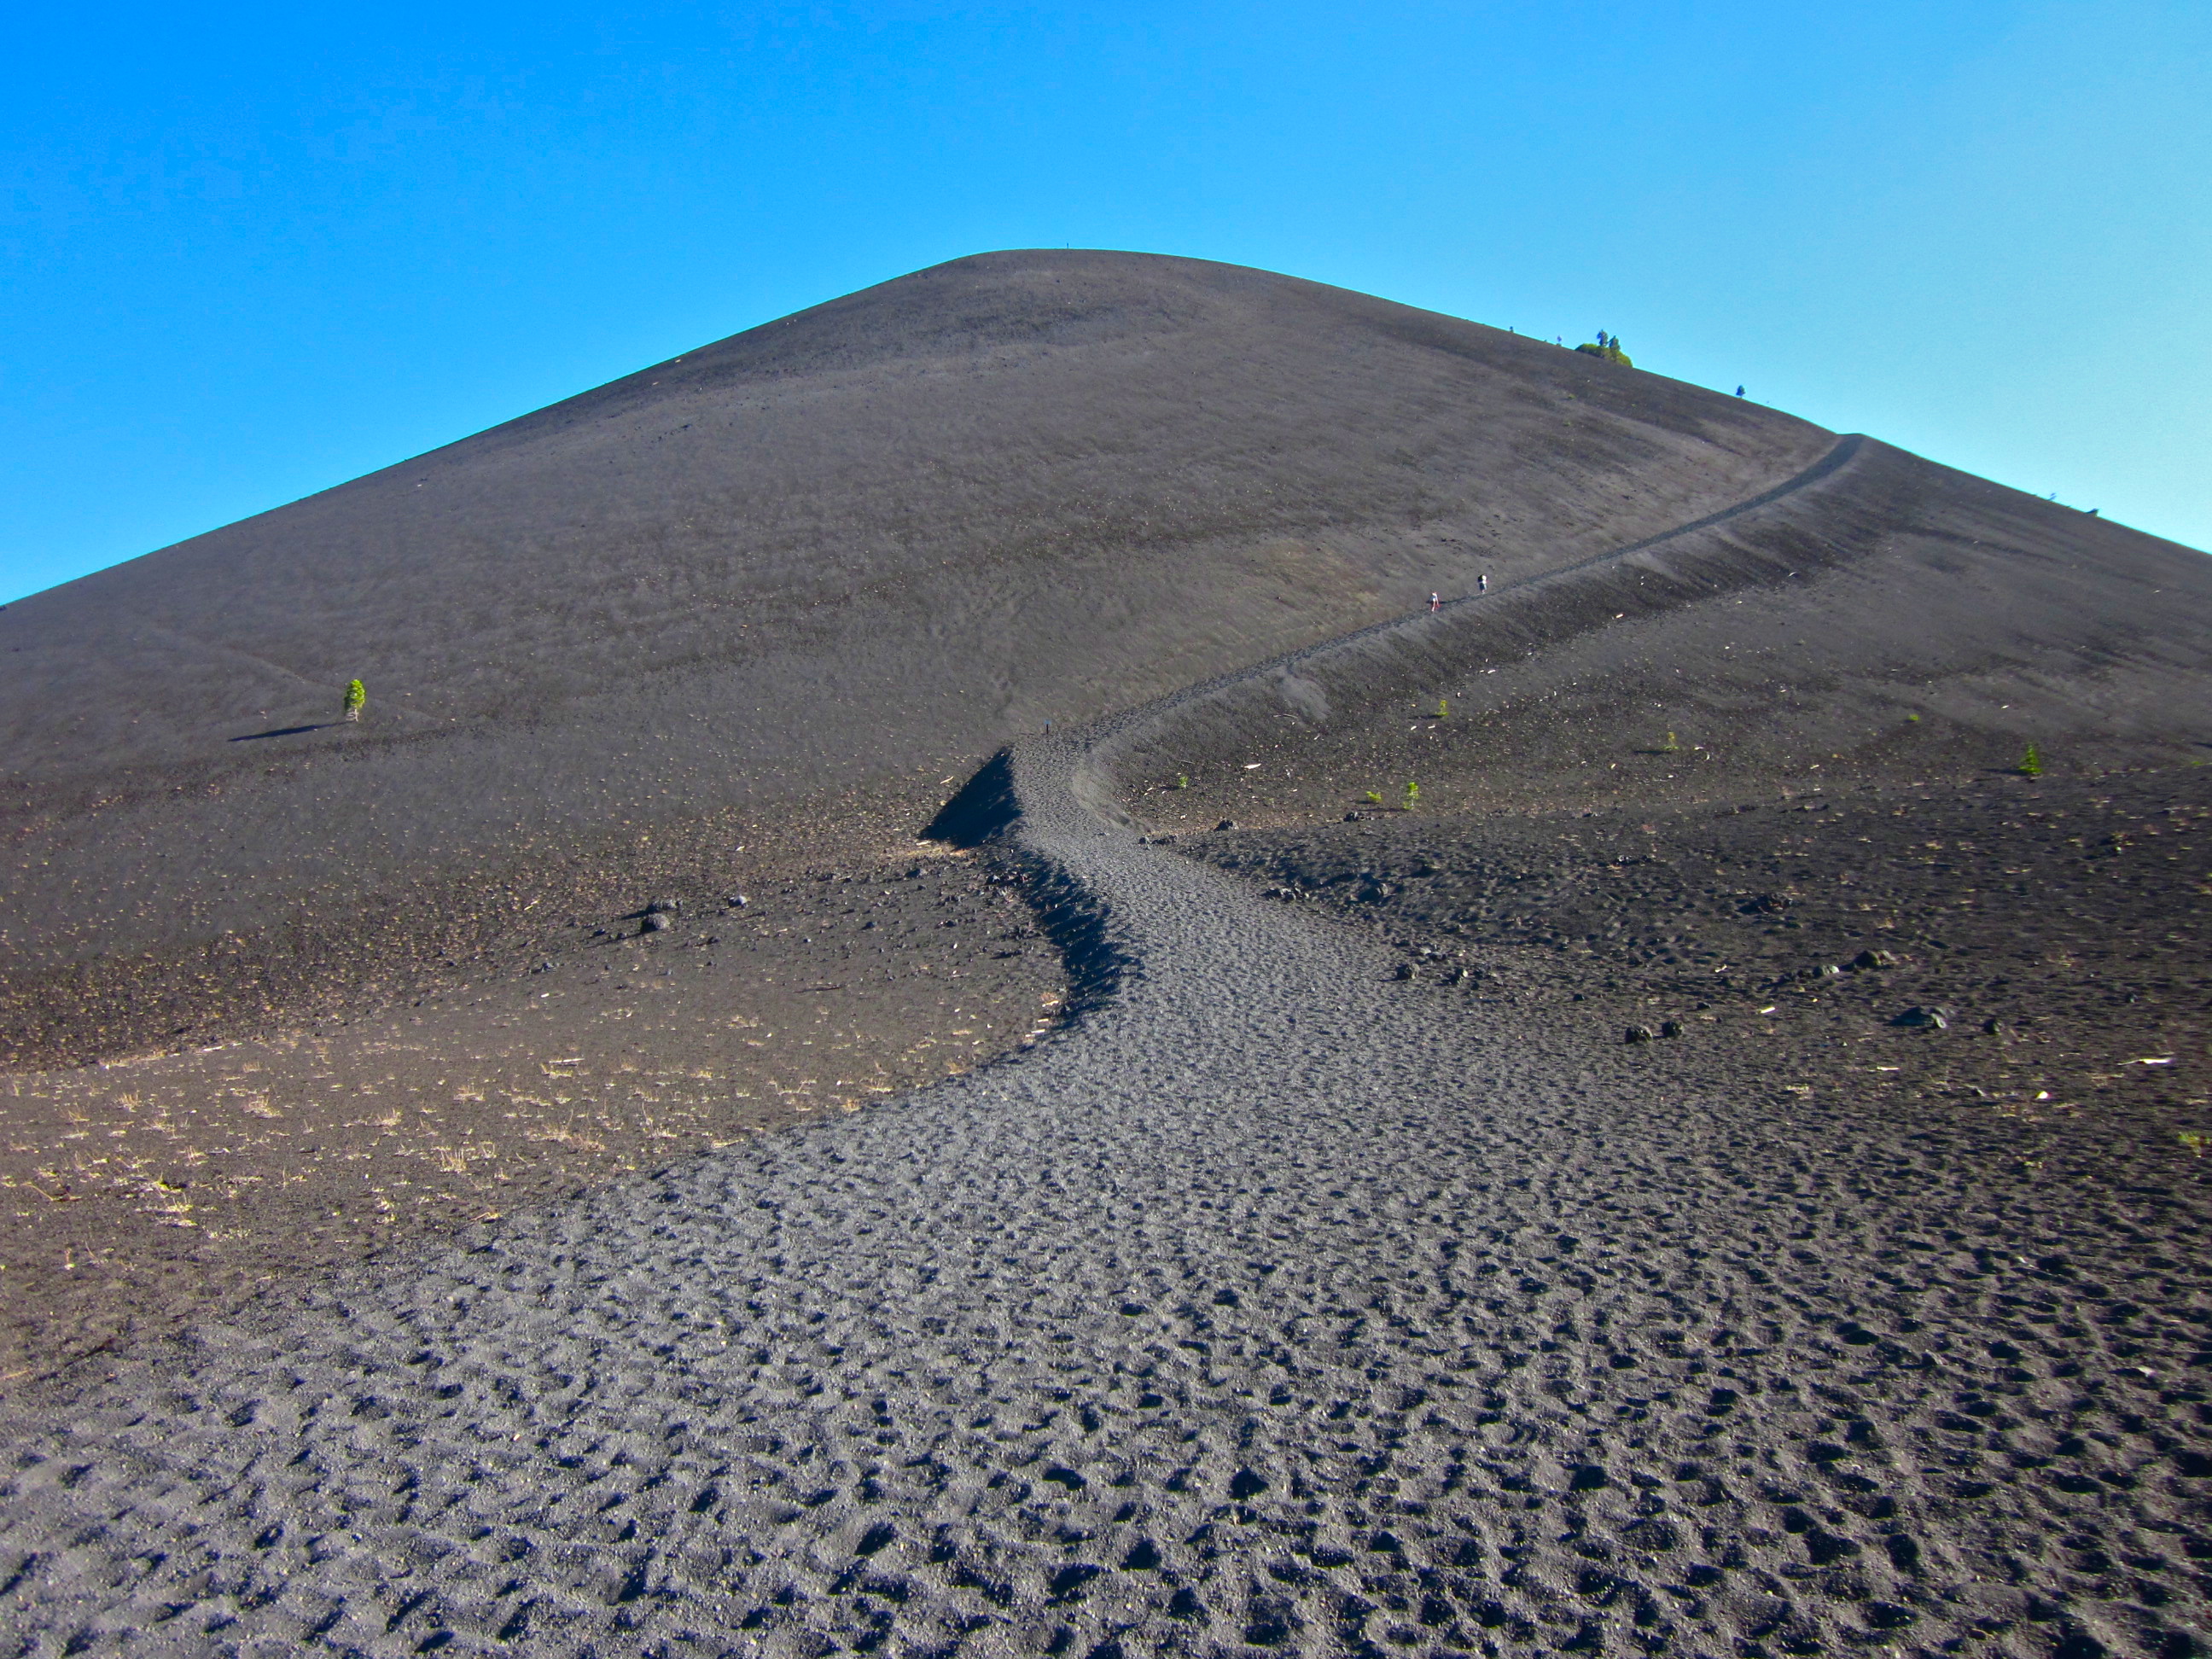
(1889, 619)
(1290, 1301)
(769, 593)
(1279, 1305)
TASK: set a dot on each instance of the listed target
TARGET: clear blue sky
(247, 252)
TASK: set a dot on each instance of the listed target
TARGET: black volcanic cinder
(802, 571)
(1279, 1298)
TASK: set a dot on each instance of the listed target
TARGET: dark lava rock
(1226, 823)
(1935, 1019)
(657, 921)
(1671, 1028)
(1637, 1034)
(1873, 959)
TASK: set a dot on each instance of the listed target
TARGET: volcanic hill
(1656, 1105)
(768, 594)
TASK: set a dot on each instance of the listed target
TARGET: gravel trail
(1274, 1305)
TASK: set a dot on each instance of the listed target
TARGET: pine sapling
(1412, 795)
(2030, 764)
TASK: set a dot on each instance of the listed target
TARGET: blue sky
(246, 254)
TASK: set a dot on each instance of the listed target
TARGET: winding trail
(1273, 1304)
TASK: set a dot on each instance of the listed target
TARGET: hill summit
(768, 594)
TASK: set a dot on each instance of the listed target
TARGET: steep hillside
(754, 604)
(1885, 619)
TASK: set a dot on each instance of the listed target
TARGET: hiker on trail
(1435, 601)
(1482, 583)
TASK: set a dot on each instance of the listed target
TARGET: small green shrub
(1375, 795)
(2030, 764)
(356, 697)
(1670, 747)
(1444, 708)
(1182, 780)
(2196, 1140)
(1412, 795)
(1607, 347)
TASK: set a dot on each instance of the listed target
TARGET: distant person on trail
(1435, 602)
(1739, 391)
(1482, 583)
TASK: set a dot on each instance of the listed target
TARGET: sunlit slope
(824, 559)
(1889, 619)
